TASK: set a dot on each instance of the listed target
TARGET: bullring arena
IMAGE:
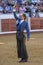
(8, 50)
(8, 47)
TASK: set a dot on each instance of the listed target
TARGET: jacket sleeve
(27, 30)
(17, 18)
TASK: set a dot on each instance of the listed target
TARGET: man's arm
(28, 31)
(16, 17)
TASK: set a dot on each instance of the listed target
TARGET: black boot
(23, 60)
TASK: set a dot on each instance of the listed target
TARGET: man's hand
(27, 39)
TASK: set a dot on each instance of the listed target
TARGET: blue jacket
(22, 25)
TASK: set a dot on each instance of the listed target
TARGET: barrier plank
(35, 23)
(8, 25)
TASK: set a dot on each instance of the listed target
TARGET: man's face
(21, 17)
(32, 6)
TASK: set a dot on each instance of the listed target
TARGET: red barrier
(9, 24)
(36, 23)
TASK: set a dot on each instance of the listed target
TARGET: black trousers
(21, 47)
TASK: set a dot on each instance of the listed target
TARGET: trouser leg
(21, 47)
(18, 49)
(24, 54)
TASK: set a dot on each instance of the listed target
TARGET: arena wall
(7, 25)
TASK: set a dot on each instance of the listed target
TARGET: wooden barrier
(36, 23)
(41, 23)
(9, 24)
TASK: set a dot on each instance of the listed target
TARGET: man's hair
(24, 15)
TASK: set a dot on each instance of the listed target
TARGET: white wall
(6, 16)
(0, 25)
(29, 23)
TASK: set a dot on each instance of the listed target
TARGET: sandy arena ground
(8, 50)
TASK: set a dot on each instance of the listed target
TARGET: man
(21, 24)
(33, 9)
(19, 1)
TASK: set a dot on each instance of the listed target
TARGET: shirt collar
(21, 21)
